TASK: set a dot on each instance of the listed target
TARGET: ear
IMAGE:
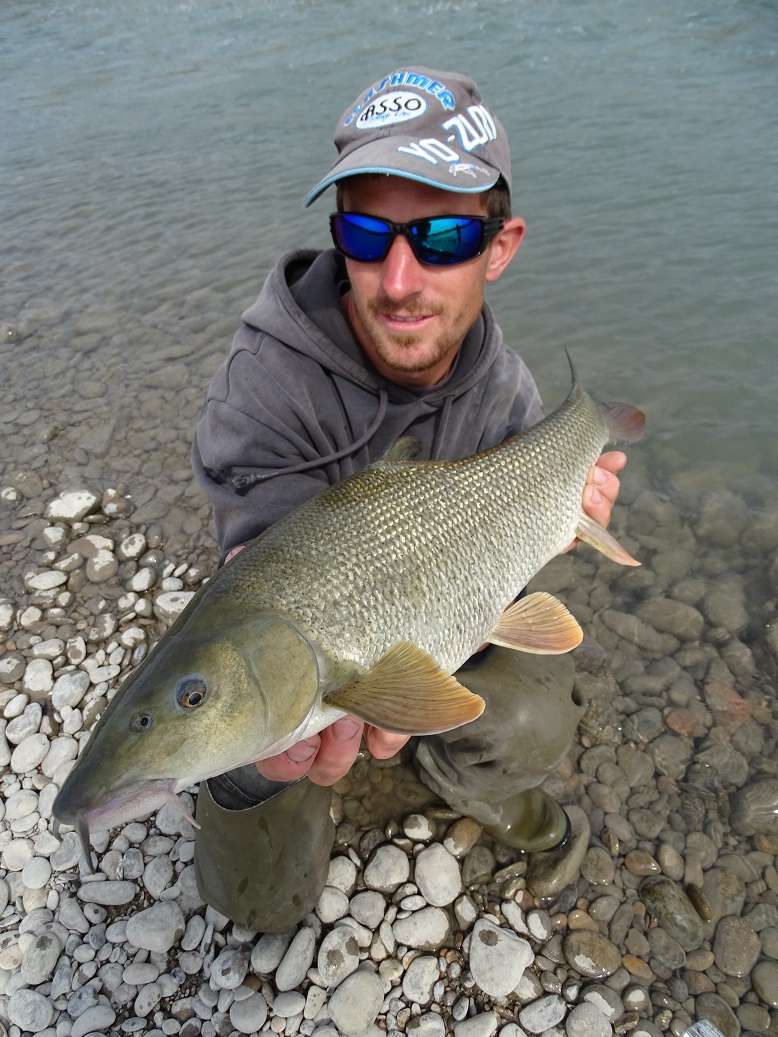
(504, 246)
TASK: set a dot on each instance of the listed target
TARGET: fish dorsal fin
(406, 691)
(593, 534)
(539, 624)
(407, 448)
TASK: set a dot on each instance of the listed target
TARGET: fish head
(206, 700)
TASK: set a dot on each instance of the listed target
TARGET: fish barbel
(363, 600)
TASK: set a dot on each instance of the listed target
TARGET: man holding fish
(355, 364)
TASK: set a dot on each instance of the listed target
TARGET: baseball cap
(424, 125)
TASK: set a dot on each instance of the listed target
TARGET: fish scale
(428, 552)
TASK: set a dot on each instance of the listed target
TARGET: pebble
(36, 873)
(249, 1014)
(338, 956)
(387, 869)
(30, 1010)
(297, 960)
(591, 954)
(332, 904)
(437, 875)
(356, 1003)
(425, 929)
(765, 980)
(420, 978)
(672, 908)
(462, 836)
(368, 908)
(418, 828)
(482, 1025)
(229, 968)
(288, 1004)
(539, 1016)
(586, 1020)
(736, 946)
(551, 872)
(93, 1020)
(157, 928)
(267, 953)
(110, 893)
(498, 958)
(40, 958)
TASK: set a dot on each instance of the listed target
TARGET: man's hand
(328, 756)
(602, 488)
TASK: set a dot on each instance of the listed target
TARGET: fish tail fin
(625, 422)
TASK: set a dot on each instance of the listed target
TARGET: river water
(153, 161)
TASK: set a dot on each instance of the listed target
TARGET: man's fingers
(612, 460)
(339, 748)
(294, 763)
(383, 744)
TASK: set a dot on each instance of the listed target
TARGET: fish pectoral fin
(539, 624)
(407, 692)
(596, 536)
(406, 448)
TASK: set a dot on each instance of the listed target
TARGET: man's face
(410, 318)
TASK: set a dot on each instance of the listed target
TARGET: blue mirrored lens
(362, 237)
(447, 239)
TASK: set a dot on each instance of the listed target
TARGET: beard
(414, 352)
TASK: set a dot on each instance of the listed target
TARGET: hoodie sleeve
(239, 431)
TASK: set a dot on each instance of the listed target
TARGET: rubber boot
(490, 769)
(264, 866)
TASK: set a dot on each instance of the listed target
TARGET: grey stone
(736, 946)
(388, 868)
(542, 1014)
(482, 1025)
(498, 958)
(668, 903)
(550, 872)
(586, 1020)
(426, 929)
(229, 968)
(110, 893)
(419, 979)
(338, 955)
(249, 1015)
(30, 1010)
(716, 1010)
(355, 1004)
(40, 959)
(297, 960)
(437, 875)
(765, 981)
(591, 954)
(157, 928)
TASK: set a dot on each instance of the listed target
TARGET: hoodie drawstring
(243, 483)
(441, 429)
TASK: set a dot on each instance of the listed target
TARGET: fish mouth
(114, 807)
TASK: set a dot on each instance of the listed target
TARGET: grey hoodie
(297, 406)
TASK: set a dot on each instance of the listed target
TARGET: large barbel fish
(363, 600)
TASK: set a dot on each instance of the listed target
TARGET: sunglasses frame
(490, 227)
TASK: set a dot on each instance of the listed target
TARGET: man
(343, 353)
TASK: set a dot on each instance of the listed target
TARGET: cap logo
(397, 106)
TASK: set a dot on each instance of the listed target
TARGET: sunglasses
(435, 241)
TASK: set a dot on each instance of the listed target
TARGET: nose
(402, 275)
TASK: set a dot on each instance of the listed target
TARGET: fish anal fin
(593, 534)
(539, 624)
(407, 692)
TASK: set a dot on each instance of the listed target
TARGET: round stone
(462, 836)
(332, 905)
(267, 952)
(437, 875)
(139, 973)
(30, 1010)
(40, 958)
(17, 854)
(419, 979)
(765, 981)
(72, 506)
(36, 873)
(542, 1014)
(288, 1004)
(338, 955)
(229, 969)
(427, 928)
(69, 689)
(671, 907)
(586, 1020)
(96, 1019)
(368, 908)
(157, 928)
(38, 677)
(388, 868)
(498, 958)
(418, 827)
(736, 946)
(590, 954)
(355, 1004)
(29, 753)
(342, 874)
(249, 1014)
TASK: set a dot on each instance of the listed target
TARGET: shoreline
(662, 910)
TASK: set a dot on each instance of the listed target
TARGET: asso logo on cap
(398, 106)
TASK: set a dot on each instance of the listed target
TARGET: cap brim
(470, 175)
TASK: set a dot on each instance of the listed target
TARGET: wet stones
(672, 908)
(736, 946)
(755, 808)
(550, 872)
(765, 980)
(591, 954)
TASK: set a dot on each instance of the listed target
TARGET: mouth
(405, 324)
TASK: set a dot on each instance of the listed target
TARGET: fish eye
(191, 692)
(141, 722)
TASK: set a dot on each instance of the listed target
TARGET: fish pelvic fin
(539, 624)
(407, 692)
(626, 424)
(596, 536)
